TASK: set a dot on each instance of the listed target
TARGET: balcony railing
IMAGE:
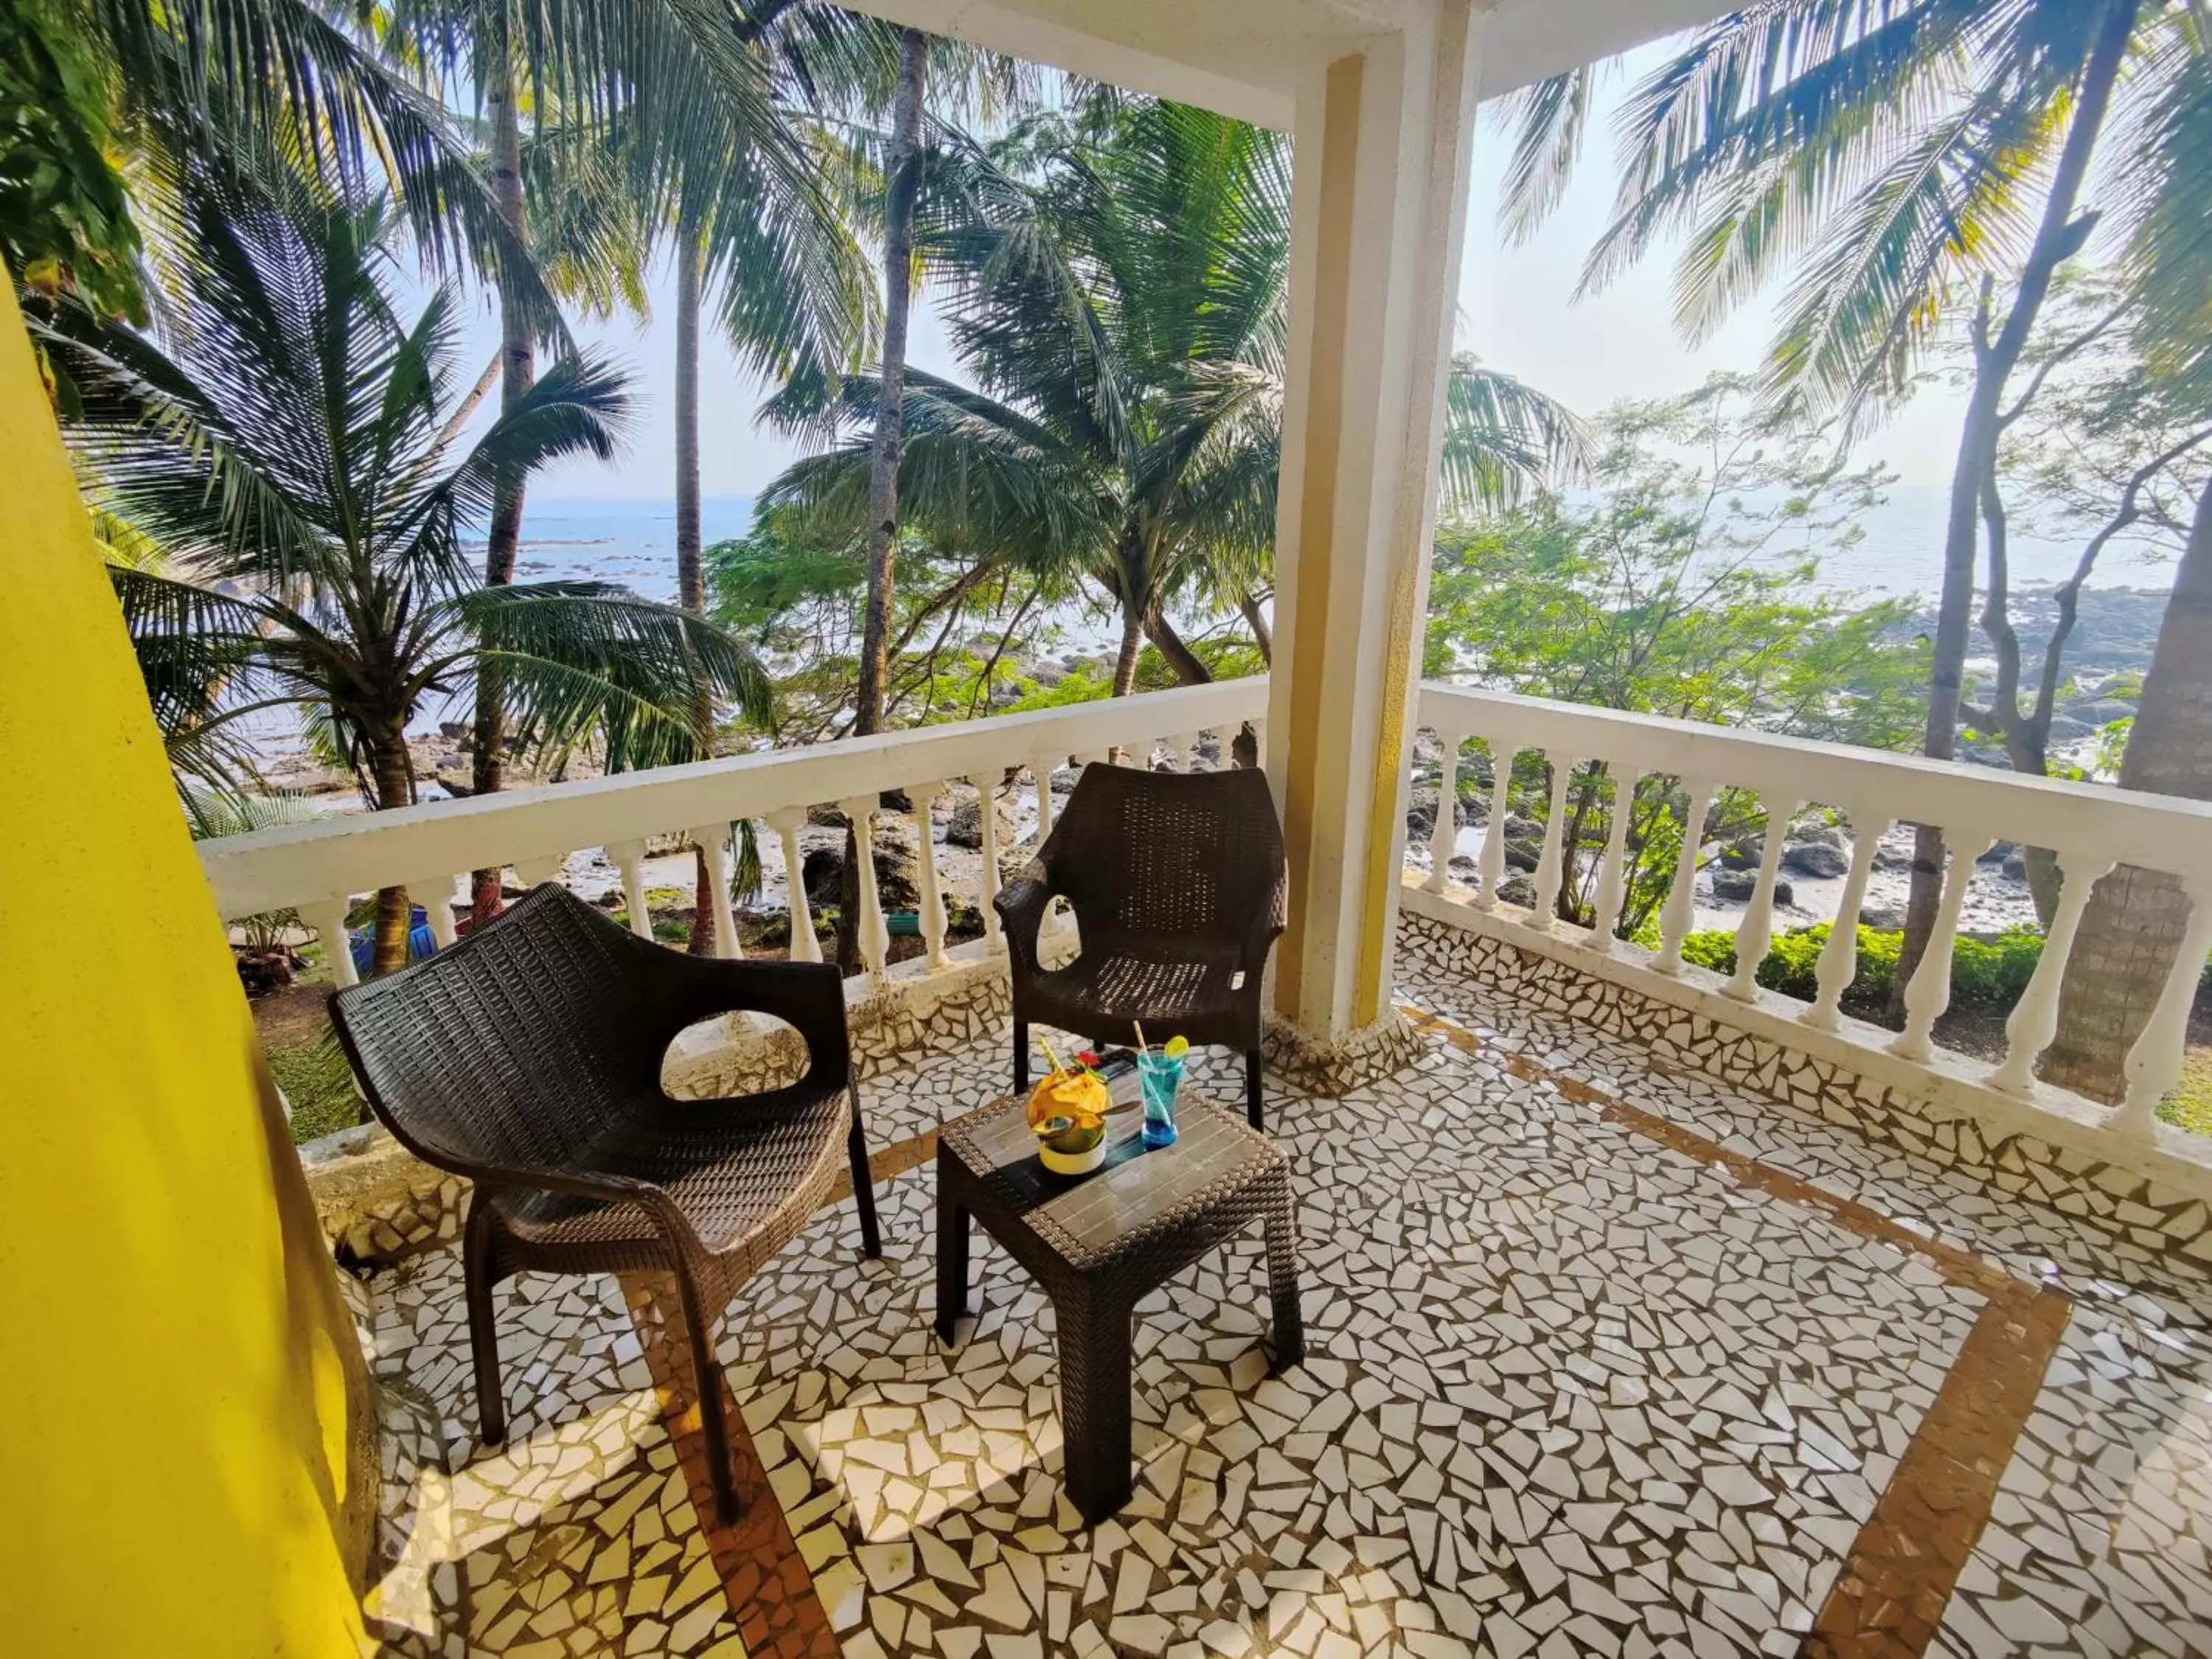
(318, 869)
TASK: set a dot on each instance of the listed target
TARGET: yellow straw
(1057, 1068)
(1143, 1047)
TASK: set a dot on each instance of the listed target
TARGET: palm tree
(1118, 295)
(289, 443)
(1909, 160)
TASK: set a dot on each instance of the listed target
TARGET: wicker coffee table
(1099, 1242)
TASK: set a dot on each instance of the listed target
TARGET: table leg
(1094, 1405)
(1283, 1286)
(953, 1232)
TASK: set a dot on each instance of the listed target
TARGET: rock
(1735, 886)
(1523, 852)
(2065, 729)
(1421, 814)
(1887, 857)
(1743, 853)
(1998, 852)
(2100, 711)
(2015, 867)
(459, 731)
(1814, 859)
(1817, 835)
(964, 827)
(1881, 919)
(822, 816)
(823, 872)
(1462, 867)
(1518, 890)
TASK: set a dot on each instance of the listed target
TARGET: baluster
(1930, 993)
(786, 824)
(874, 935)
(628, 858)
(435, 895)
(1186, 750)
(713, 841)
(2153, 1064)
(1756, 932)
(932, 904)
(1613, 880)
(1682, 897)
(1492, 870)
(1259, 742)
(987, 823)
(1839, 957)
(2034, 1019)
(531, 872)
(1444, 836)
(328, 919)
(1552, 861)
(1042, 767)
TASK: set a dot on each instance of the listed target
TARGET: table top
(1139, 1194)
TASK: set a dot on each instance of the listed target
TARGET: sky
(1515, 312)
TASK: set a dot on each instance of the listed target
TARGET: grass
(2190, 1105)
(313, 1074)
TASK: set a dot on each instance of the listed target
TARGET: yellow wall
(179, 1386)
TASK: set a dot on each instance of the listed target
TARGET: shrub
(1995, 972)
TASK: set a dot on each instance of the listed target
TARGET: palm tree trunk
(2058, 236)
(1188, 670)
(691, 582)
(2128, 936)
(393, 778)
(1133, 644)
(1256, 620)
(518, 370)
(883, 460)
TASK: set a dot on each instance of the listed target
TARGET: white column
(1492, 870)
(986, 889)
(1383, 138)
(804, 947)
(1552, 861)
(435, 895)
(328, 919)
(1443, 835)
(713, 840)
(628, 858)
(1839, 957)
(1756, 932)
(2153, 1065)
(933, 903)
(1930, 993)
(1682, 897)
(2034, 1018)
(1612, 881)
(873, 936)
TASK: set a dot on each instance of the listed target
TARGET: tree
(1117, 283)
(287, 441)
(1910, 158)
(1685, 586)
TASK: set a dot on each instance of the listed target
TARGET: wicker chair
(1177, 883)
(527, 1058)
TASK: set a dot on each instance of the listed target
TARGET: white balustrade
(328, 917)
(1613, 879)
(1929, 993)
(435, 895)
(1552, 861)
(1839, 957)
(713, 841)
(931, 918)
(1443, 837)
(874, 933)
(629, 859)
(1183, 751)
(2034, 1019)
(1681, 909)
(2154, 1063)
(1491, 871)
(786, 822)
(1042, 768)
(1756, 932)
(532, 873)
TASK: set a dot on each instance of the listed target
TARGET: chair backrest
(1178, 854)
(512, 1048)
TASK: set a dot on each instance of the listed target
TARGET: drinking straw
(1143, 1047)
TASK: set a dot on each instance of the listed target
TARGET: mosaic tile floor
(1600, 1361)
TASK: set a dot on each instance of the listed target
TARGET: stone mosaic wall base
(1335, 1069)
(2146, 1217)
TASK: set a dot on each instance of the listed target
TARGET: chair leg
(864, 1190)
(484, 1332)
(1021, 1056)
(1255, 1094)
(707, 1378)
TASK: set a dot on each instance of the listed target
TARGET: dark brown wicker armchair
(527, 1058)
(1177, 881)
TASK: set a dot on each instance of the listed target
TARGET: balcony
(1648, 1311)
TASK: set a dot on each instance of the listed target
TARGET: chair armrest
(1021, 905)
(667, 1215)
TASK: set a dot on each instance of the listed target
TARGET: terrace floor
(1603, 1360)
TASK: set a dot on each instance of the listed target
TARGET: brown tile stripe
(1888, 1600)
(770, 1591)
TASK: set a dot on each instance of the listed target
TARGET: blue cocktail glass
(1159, 1078)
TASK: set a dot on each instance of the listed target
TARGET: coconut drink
(1067, 1114)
